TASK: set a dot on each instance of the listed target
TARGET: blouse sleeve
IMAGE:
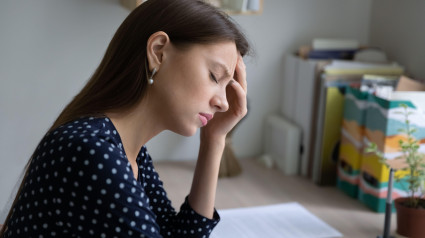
(186, 223)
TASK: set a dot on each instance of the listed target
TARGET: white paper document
(290, 220)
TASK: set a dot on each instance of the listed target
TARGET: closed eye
(213, 77)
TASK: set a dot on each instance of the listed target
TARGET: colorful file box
(382, 124)
(351, 148)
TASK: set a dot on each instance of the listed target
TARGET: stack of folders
(328, 113)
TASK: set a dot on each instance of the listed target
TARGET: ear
(156, 45)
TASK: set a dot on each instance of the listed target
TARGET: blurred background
(50, 48)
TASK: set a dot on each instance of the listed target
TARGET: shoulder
(82, 138)
(84, 152)
(84, 131)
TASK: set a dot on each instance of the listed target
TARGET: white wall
(399, 28)
(49, 48)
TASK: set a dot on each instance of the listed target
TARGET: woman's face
(190, 86)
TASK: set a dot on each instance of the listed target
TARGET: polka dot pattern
(81, 184)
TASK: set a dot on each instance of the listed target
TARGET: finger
(238, 101)
(240, 75)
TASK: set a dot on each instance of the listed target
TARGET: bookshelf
(231, 7)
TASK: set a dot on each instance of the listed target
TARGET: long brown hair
(120, 81)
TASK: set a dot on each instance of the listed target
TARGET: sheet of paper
(290, 220)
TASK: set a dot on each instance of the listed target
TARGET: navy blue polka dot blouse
(80, 184)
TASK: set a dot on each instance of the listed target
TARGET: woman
(172, 65)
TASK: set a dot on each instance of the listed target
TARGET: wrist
(212, 139)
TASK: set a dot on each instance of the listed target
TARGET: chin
(187, 131)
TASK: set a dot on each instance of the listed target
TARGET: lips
(205, 117)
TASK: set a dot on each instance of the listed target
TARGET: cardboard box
(408, 84)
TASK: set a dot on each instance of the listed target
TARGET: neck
(135, 127)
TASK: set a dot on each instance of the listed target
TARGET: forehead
(224, 53)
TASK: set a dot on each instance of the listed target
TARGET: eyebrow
(224, 68)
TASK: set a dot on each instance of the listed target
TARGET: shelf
(233, 7)
(132, 4)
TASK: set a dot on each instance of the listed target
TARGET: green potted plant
(410, 209)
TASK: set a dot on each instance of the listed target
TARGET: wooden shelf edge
(131, 4)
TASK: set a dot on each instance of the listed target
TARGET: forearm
(204, 185)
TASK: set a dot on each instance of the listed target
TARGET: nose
(219, 101)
